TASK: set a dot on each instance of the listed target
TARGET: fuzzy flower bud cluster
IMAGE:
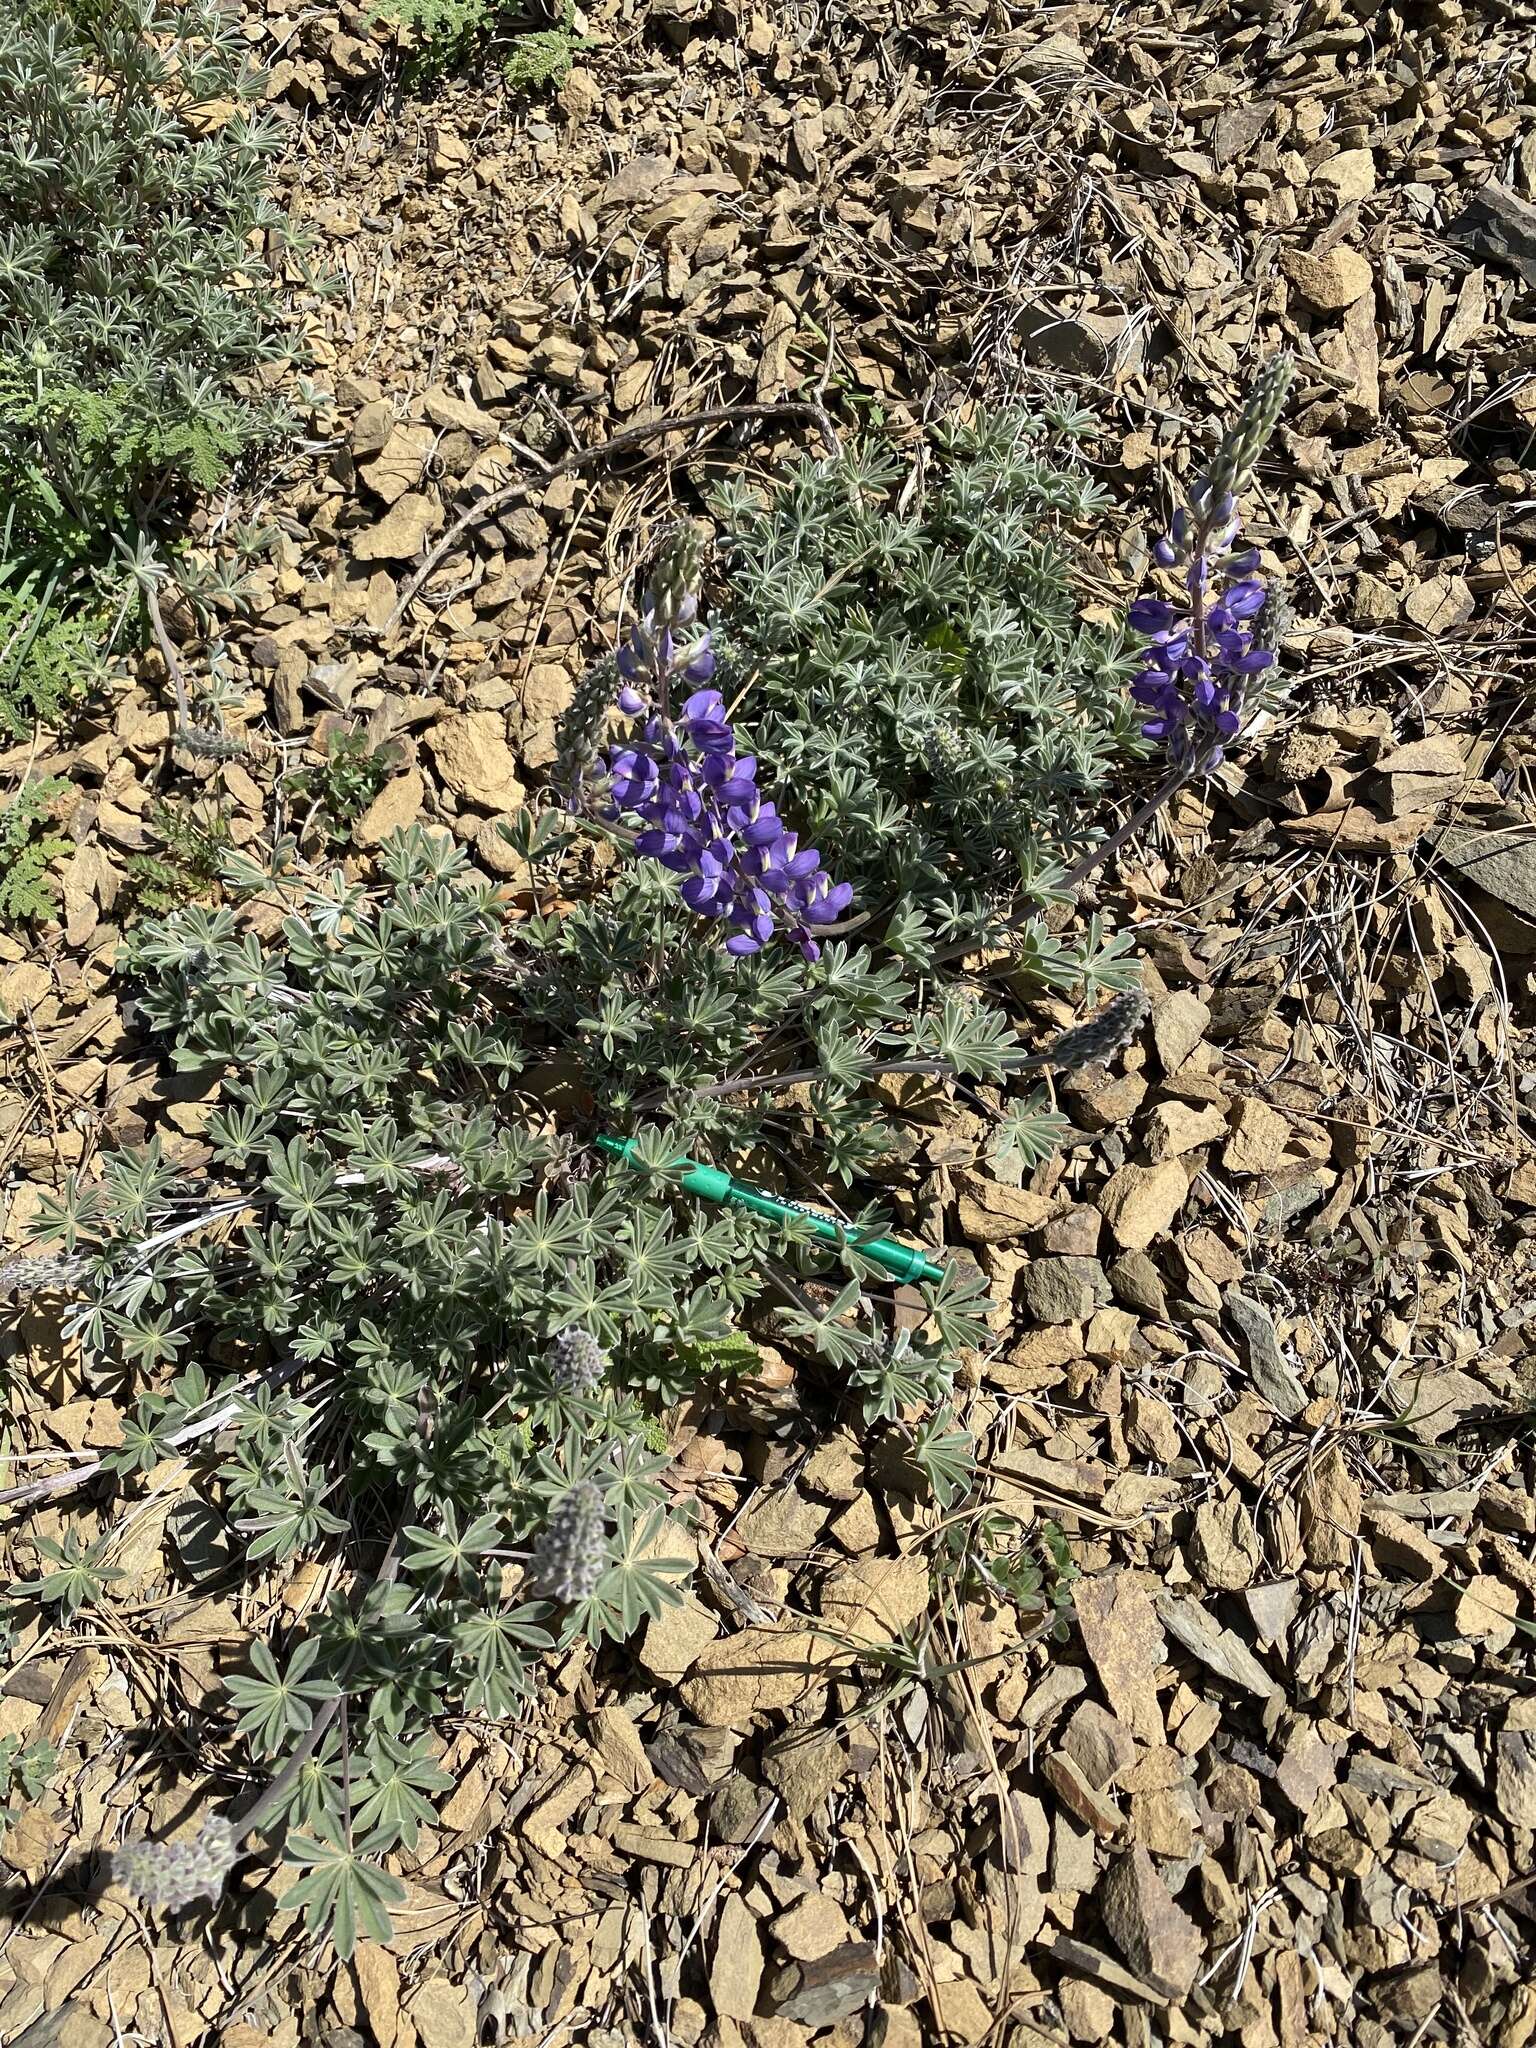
(576, 1361)
(1098, 1038)
(42, 1274)
(1202, 660)
(571, 1553)
(700, 810)
(171, 1875)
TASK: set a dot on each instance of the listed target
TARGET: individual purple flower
(700, 810)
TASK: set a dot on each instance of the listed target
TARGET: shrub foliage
(444, 1319)
(920, 678)
(132, 180)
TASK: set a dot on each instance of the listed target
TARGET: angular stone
(1224, 1545)
(804, 1770)
(818, 1993)
(1125, 1645)
(1099, 1099)
(813, 1926)
(960, 2011)
(834, 1468)
(1501, 863)
(1151, 1930)
(736, 1969)
(1259, 1138)
(1329, 282)
(397, 804)
(1179, 1022)
(1515, 1778)
(1273, 1374)
(1174, 1128)
(1402, 1546)
(1095, 1809)
(1111, 1334)
(1152, 1428)
(991, 1212)
(442, 2014)
(617, 1746)
(398, 466)
(782, 1524)
(1308, 1768)
(402, 533)
(1137, 1283)
(676, 1640)
(372, 428)
(444, 410)
(754, 1671)
(1225, 1653)
(473, 758)
(1101, 1746)
(1061, 1290)
(1074, 1231)
(1351, 174)
(1330, 1510)
(1498, 226)
(1140, 1202)
(874, 1599)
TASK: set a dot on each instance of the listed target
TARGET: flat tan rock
(397, 804)
(474, 761)
(402, 533)
(1125, 1645)
(1260, 1136)
(399, 465)
(1140, 1202)
(755, 1671)
(1148, 1926)
(736, 1968)
(1329, 282)
(1179, 1022)
(1174, 1128)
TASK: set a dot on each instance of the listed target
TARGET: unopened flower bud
(571, 1553)
(172, 1875)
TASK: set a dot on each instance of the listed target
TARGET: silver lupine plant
(454, 1321)
(130, 295)
(446, 1320)
(921, 683)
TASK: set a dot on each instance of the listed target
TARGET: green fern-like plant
(50, 654)
(444, 35)
(194, 839)
(27, 846)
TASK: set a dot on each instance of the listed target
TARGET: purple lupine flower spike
(1201, 659)
(701, 812)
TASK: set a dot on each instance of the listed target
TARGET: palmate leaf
(394, 1805)
(278, 1704)
(959, 1303)
(837, 1340)
(342, 1893)
(637, 1585)
(449, 1553)
(1026, 1133)
(79, 1575)
(946, 1456)
(492, 1641)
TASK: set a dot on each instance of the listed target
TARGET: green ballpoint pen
(712, 1184)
